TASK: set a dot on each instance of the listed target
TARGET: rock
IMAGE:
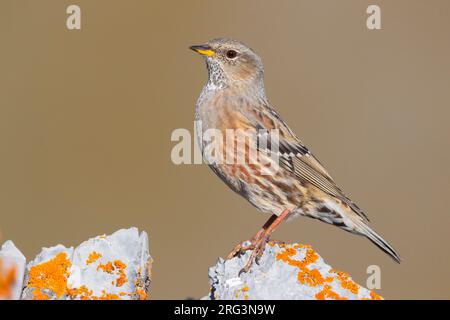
(12, 269)
(285, 272)
(102, 268)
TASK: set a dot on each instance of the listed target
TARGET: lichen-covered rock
(12, 269)
(285, 272)
(102, 268)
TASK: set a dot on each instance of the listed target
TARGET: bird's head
(231, 63)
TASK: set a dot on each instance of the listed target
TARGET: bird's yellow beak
(204, 50)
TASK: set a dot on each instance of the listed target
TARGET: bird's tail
(363, 229)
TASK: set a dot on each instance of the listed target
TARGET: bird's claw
(258, 251)
(239, 249)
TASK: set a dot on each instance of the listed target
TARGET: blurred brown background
(86, 118)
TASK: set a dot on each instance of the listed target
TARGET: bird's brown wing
(296, 158)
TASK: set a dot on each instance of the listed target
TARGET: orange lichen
(243, 292)
(7, 281)
(107, 267)
(51, 275)
(39, 295)
(122, 279)
(346, 282)
(141, 294)
(327, 293)
(83, 293)
(109, 296)
(93, 256)
(375, 296)
(118, 266)
(272, 243)
(312, 277)
(123, 294)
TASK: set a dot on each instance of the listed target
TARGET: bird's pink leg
(260, 239)
(261, 243)
(277, 222)
(239, 248)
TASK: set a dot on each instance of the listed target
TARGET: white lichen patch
(12, 270)
(105, 267)
(285, 272)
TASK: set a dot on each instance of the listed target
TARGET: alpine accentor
(234, 98)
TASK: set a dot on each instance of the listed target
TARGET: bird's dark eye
(231, 54)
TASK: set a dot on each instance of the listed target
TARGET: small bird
(234, 99)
